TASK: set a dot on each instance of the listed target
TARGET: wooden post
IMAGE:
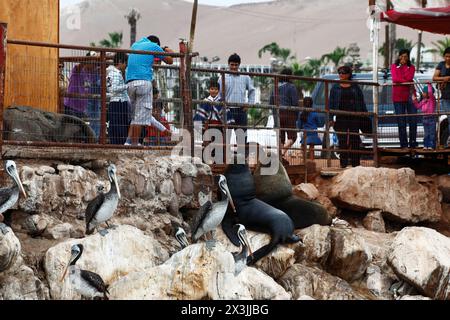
(419, 40)
(3, 32)
(327, 126)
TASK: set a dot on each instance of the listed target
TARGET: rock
(317, 245)
(187, 186)
(421, 256)
(21, 284)
(306, 191)
(177, 182)
(59, 231)
(24, 123)
(395, 192)
(305, 297)
(374, 221)
(443, 182)
(349, 256)
(417, 297)
(45, 169)
(377, 282)
(301, 280)
(200, 271)
(123, 250)
(9, 248)
(35, 225)
(377, 244)
(329, 206)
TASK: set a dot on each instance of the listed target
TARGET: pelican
(180, 235)
(9, 196)
(240, 258)
(211, 214)
(86, 283)
(103, 206)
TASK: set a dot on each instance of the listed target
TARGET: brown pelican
(86, 283)
(9, 196)
(103, 206)
(211, 214)
(240, 258)
(180, 235)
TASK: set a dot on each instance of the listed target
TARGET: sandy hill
(309, 28)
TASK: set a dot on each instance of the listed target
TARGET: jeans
(445, 107)
(406, 108)
(93, 113)
(429, 126)
(118, 115)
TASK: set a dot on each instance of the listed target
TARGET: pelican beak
(65, 270)
(230, 198)
(19, 183)
(117, 185)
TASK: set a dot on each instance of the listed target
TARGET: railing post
(277, 123)
(327, 126)
(375, 128)
(3, 32)
(225, 109)
(102, 139)
(185, 80)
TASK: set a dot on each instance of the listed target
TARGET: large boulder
(122, 251)
(349, 256)
(317, 245)
(200, 271)
(396, 193)
(421, 257)
(302, 280)
(9, 248)
(23, 123)
(443, 183)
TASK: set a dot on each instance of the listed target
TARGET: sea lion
(254, 214)
(276, 190)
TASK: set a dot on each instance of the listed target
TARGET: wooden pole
(3, 33)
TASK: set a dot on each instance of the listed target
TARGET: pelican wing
(93, 207)
(94, 280)
(5, 194)
(201, 215)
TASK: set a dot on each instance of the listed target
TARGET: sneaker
(127, 144)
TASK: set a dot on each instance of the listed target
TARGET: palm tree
(114, 41)
(336, 56)
(281, 54)
(133, 16)
(440, 46)
(402, 43)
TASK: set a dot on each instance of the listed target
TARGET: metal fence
(335, 123)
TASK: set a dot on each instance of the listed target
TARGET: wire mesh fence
(331, 121)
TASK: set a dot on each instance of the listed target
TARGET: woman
(288, 97)
(348, 97)
(442, 73)
(402, 71)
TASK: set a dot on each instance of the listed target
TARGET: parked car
(387, 127)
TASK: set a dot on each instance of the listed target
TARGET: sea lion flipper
(229, 220)
(263, 251)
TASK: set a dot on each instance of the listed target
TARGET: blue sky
(210, 2)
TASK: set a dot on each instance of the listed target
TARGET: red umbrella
(435, 20)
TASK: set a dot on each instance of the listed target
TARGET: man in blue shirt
(139, 76)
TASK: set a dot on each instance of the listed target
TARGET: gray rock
(374, 221)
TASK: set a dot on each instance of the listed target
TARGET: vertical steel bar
(103, 97)
(327, 125)
(224, 106)
(3, 33)
(375, 129)
(188, 105)
(277, 123)
(183, 50)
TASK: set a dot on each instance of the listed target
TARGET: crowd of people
(135, 117)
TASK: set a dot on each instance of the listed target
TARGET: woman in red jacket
(402, 72)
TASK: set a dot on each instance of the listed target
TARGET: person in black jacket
(348, 97)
